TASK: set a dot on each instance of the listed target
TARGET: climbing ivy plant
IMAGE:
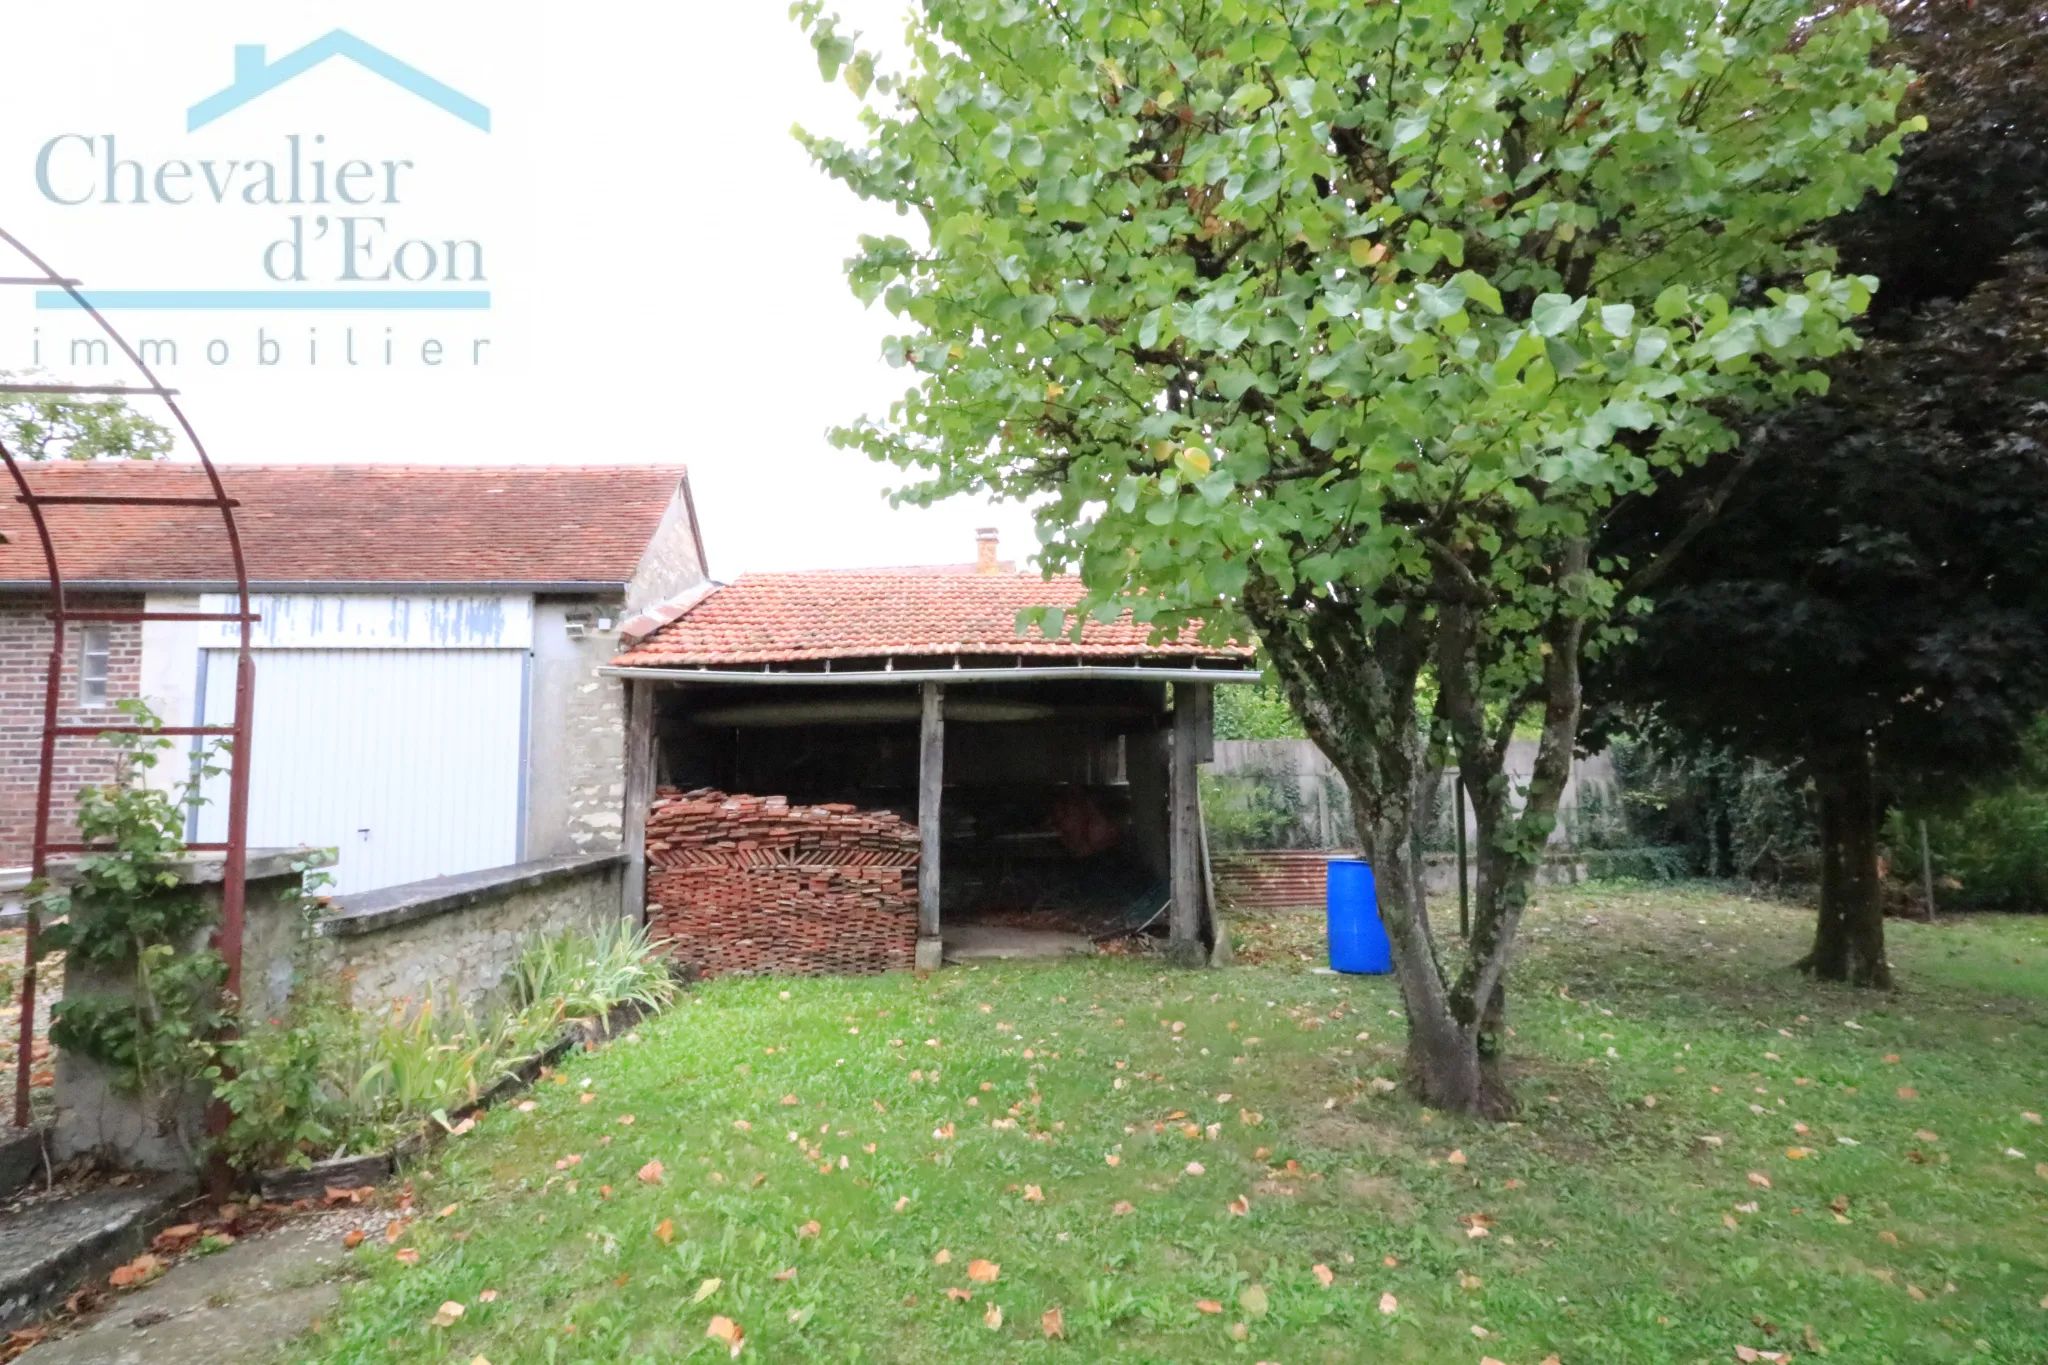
(128, 915)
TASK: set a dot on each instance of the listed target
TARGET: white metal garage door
(409, 762)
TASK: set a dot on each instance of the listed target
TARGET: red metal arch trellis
(228, 939)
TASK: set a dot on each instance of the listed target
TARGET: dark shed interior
(1055, 809)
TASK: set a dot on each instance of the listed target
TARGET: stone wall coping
(199, 869)
(367, 912)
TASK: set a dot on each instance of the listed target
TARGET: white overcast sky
(664, 264)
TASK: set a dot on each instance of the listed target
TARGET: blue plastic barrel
(1358, 941)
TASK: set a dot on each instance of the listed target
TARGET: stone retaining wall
(458, 936)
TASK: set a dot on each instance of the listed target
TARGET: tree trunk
(1353, 686)
(1848, 940)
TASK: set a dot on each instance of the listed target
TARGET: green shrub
(1254, 711)
(1993, 852)
(1646, 863)
(328, 1079)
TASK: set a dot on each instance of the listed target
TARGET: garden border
(287, 1183)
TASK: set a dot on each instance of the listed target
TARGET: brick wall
(24, 661)
(1273, 879)
(751, 884)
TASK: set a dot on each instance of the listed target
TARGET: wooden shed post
(639, 786)
(1193, 743)
(931, 783)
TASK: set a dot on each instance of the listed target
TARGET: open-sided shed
(1051, 781)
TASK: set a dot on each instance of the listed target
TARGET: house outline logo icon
(255, 76)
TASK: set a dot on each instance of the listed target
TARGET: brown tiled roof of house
(346, 524)
(869, 613)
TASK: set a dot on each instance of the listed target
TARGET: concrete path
(51, 1241)
(235, 1307)
(965, 942)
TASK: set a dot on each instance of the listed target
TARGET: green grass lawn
(1208, 1166)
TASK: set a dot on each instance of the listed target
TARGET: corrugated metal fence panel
(404, 760)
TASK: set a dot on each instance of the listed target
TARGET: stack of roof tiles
(752, 884)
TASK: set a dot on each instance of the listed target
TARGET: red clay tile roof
(790, 617)
(347, 523)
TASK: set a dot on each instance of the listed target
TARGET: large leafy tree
(45, 426)
(1865, 593)
(1340, 322)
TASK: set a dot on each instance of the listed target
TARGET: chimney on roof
(985, 550)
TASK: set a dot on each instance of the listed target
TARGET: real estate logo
(322, 218)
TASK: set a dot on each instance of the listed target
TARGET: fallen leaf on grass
(1240, 1206)
(446, 1315)
(1457, 1157)
(488, 1296)
(1907, 1092)
(448, 1211)
(665, 1231)
(810, 1229)
(944, 1257)
(943, 1132)
(526, 1106)
(394, 1230)
(1053, 1323)
(573, 1159)
(1195, 1168)
(651, 1172)
(784, 1276)
(406, 1256)
(1122, 1207)
(1253, 1300)
(983, 1272)
(1113, 1159)
(724, 1329)
(1389, 1304)
(1324, 1275)
(1033, 1195)
(1208, 1306)
(706, 1289)
(993, 1318)
(352, 1239)
(957, 1294)
(1760, 1180)
(1240, 1332)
